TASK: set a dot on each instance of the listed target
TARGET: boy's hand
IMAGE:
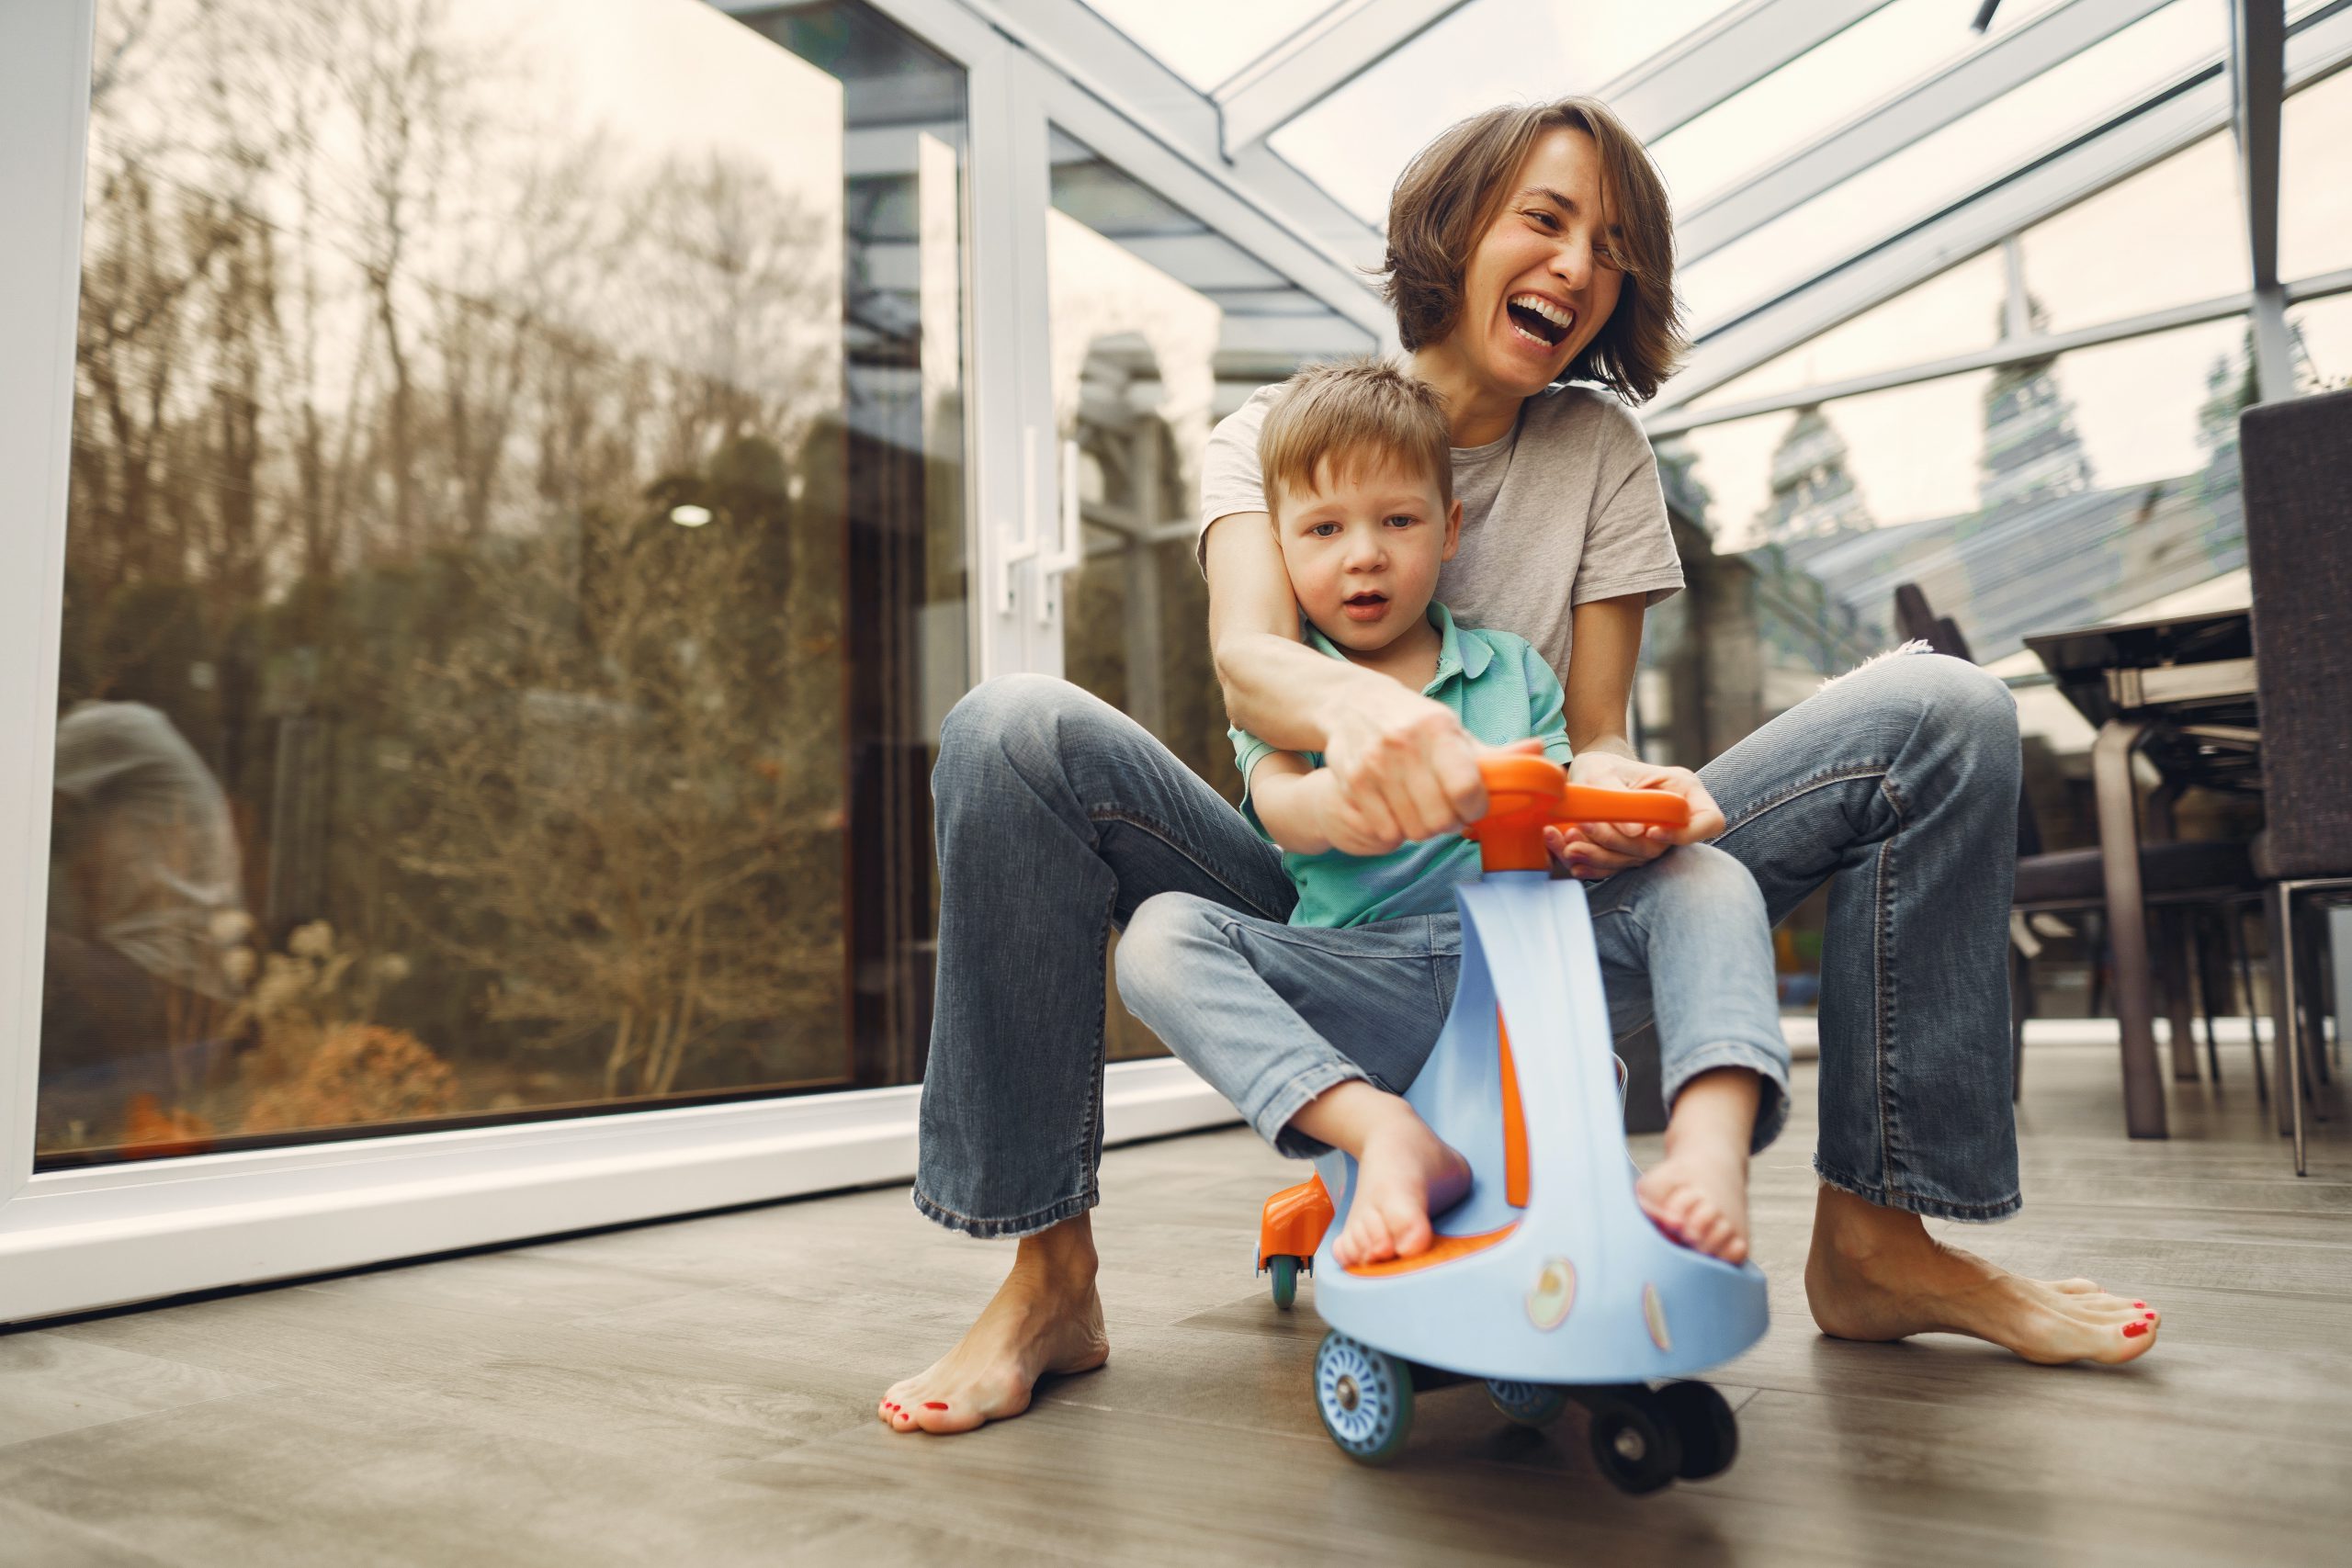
(1593, 850)
(1402, 767)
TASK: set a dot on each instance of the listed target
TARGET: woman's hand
(1591, 849)
(1402, 768)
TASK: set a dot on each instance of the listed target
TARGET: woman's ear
(1452, 528)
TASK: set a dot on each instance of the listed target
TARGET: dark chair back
(2297, 459)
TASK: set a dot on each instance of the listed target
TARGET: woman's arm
(1402, 766)
(1602, 657)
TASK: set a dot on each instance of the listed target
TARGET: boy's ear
(1452, 528)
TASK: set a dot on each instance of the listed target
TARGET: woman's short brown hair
(1449, 195)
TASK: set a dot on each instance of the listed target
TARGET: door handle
(1018, 543)
(1069, 543)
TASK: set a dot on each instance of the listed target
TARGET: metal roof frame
(2191, 106)
(1310, 64)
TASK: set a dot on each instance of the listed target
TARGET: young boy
(1311, 1028)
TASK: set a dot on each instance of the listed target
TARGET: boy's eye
(1400, 520)
(1324, 530)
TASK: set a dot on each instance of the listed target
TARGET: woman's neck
(1475, 412)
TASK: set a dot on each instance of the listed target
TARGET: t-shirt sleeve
(1548, 706)
(1630, 546)
(1247, 752)
(1229, 479)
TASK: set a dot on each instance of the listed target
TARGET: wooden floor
(700, 1392)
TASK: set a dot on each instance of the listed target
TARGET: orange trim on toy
(1514, 1125)
(1295, 1221)
(1449, 1249)
(1525, 794)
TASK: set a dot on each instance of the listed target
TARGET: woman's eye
(1538, 215)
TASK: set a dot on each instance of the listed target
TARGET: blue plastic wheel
(1365, 1397)
(1529, 1404)
(1285, 1272)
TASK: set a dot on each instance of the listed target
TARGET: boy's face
(1363, 550)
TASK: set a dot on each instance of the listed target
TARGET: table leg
(2172, 942)
(2127, 922)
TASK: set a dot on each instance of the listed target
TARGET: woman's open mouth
(1539, 321)
(1365, 607)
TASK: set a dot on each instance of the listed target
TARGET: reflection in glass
(2020, 124)
(2050, 493)
(2323, 330)
(500, 431)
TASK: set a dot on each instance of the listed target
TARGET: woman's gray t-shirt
(1563, 510)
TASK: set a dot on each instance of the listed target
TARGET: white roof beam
(2257, 69)
(1317, 61)
(1926, 107)
(2170, 119)
(1740, 48)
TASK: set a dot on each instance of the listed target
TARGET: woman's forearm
(1282, 690)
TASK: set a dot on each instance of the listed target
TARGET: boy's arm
(1304, 811)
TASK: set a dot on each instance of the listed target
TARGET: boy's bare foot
(1698, 1195)
(1404, 1174)
(1877, 1274)
(1045, 1317)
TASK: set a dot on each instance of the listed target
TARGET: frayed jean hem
(1272, 1120)
(1914, 1203)
(996, 1230)
(1772, 1108)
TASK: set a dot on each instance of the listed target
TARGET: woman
(1527, 246)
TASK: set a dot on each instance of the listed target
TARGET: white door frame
(73, 1240)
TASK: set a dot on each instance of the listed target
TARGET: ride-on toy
(1547, 1281)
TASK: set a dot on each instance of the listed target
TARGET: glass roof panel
(2314, 190)
(1205, 42)
(1945, 168)
(1356, 142)
(2180, 214)
(1823, 88)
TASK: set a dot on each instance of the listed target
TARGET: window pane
(2316, 179)
(1205, 42)
(1952, 313)
(1830, 83)
(1358, 140)
(2171, 234)
(513, 564)
(1945, 168)
(2323, 330)
(2022, 500)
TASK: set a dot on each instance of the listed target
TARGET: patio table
(2180, 692)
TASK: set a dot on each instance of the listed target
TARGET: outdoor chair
(2296, 457)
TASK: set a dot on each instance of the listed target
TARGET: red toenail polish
(2139, 1303)
(932, 1404)
(2151, 1317)
(2133, 1330)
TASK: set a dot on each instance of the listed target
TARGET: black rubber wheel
(1634, 1447)
(1285, 1272)
(1703, 1423)
(1527, 1404)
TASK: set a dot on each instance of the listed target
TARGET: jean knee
(1151, 959)
(1704, 878)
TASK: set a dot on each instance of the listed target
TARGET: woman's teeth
(1539, 321)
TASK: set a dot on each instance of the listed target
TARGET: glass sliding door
(514, 565)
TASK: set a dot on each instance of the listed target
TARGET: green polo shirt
(1503, 691)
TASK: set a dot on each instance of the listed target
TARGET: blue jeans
(1272, 1014)
(1057, 817)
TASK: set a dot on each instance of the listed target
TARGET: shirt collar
(1456, 655)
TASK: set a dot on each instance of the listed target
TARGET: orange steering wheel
(1525, 794)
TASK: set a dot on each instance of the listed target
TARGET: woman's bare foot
(1877, 1274)
(1045, 1318)
(1405, 1173)
(1697, 1193)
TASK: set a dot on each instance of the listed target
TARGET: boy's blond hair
(1333, 420)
